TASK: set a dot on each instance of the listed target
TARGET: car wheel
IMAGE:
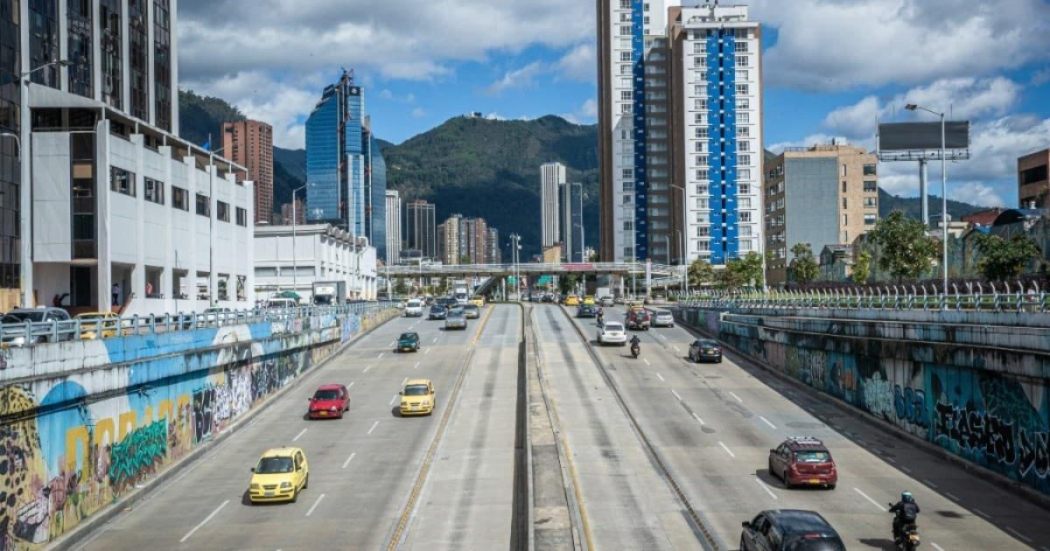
(743, 546)
(719, 360)
(831, 486)
(787, 482)
(295, 496)
(306, 483)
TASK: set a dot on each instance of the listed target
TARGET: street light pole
(944, 191)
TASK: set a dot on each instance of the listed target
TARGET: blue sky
(831, 68)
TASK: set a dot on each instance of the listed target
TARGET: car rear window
(21, 317)
(407, 336)
(812, 456)
(816, 543)
(413, 304)
(613, 327)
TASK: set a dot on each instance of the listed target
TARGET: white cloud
(579, 64)
(419, 113)
(524, 77)
(977, 193)
(589, 108)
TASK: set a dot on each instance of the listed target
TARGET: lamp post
(944, 191)
(683, 255)
(295, 258)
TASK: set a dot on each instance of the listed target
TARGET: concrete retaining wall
(981, 392)
(82, 423)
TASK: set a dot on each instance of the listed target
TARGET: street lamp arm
(60, 63)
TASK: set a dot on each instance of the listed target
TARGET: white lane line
(404, 381)
(646, 360)
(381, 355)
(661, 377)
(676, 349)
(392, 343)
(298, 436)
(733, 394)
(928, 483)
(415, 366)
(203, 522)
(394, 399)
(314, 506)
(867, 497)
(374, 425)
(766, 421)
(766, 488)
(1020, 535)
(906, 469)
(427, 352)
(891, 460)
(982, 513)
(697, 417)
(367, 368)
(435, 340)
(937, 547)
(348, 460)
(951, 496)
(729, 451)
(676, 395)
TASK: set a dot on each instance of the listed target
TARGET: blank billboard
(912, 136)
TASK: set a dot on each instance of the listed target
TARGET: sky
(832, 69)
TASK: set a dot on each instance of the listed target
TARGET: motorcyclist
(906, 511)
(601, 316)
(636, 343)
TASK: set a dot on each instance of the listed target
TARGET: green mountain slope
(912, 207)
(203, 115)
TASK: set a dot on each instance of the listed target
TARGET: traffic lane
(467, 501)
(628, 504)
(718, 398)
(222, 476)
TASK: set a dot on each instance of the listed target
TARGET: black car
(446, 303)
(586, 311)
(790, 530)
(437, 312)
(408, 342)
(705, 350)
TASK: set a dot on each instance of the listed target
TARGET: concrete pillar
(102, 227)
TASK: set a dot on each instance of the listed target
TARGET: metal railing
(33, 333)
(409, 271)
(988, 297)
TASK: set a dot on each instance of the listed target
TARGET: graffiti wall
(978, 409)
(65, 453)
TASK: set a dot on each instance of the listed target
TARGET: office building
(473, 238)
(298, 210)
(823, 195)
(376, 211)
(448, 240)
(323, 253)
(572, 222)
(1033, 180)
(421, 228)
(552, 177)
(495, 254)
(250, 144)
(393, 228)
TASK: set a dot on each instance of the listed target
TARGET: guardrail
(33, 333)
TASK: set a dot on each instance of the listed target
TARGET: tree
(905, 251)
(400, 288)
(743, 272)
(862, 268)
(465, 259)
(701, 273)
(804, 267)
(1002, 259)
(595, 257)
(567, 283)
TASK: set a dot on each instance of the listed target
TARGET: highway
(362, 467)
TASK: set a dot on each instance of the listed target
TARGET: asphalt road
(362, 467)
(714, 424)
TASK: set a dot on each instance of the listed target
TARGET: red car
(803, 461)
(329, 401)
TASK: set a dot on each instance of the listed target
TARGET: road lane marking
(982, 513)
(951, 496)
(766, 488)
(393, 343)
(367, 368)
(867, 497)
(676, 395)
(733, 394)
(314, 506)
(937, 547)
(906, 469)
(891, 460)
(1020, 535)
(394, 399)
(647, 362)
(661, 377)
(435, 340)
(381, 355)
(729, 451)
(928, 483)
(415, 366)
(427, 352)
(404, 381)
(298, 436)
(697, 417)
(348, 460)
(374, 425)
(203, 522)
(766, 421)
(676, 349)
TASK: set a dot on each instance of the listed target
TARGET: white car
(414, 309)
(612, 333)
(663, 319)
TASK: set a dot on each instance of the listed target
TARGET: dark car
(408, 342)
(803, 461)
(329, 401)
(790, 530)
(586, 311)
(705, 350)
(437, 312)
(447, 303)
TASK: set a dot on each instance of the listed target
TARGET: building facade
(821, 195)
(295, 209)
(1033, 180)
(421, 228)
(317, 253)
(572, 222)
(448, 240)
(552, 177)
(495, 254)
(393, 227)
(250, 144)
(376, 212)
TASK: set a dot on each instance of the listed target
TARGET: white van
(414, 309)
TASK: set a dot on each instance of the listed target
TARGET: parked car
(663, 319)
(789, 530)
(282, 303)
(456, 319)
(437, 312)
(472, 312)
(418, 397)
(408, 342)
(586, 311)
(279, 476)
(329, 401)
(803, 461)
(19, 316)
(638, 319)
(98, 325)
(612, 333)
(705, 350)
(414, 309)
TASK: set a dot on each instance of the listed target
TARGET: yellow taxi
(571, 300)
(478, 301)
(280, 475)
(98, 325)
(418, 397)
(588, 300)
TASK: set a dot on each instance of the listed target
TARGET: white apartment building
(393, 228)
(552, 177)
(318, 253)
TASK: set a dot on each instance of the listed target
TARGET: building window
(743, 145)
(745, 216)
(869, 170)
(741, 61)
(703, 174)
(743, 103)
(625, 31)
(845, 219)
(701, 160)
(745, 231)
(203, 205)
(162, 63)
(744, 131)
(744, 160)
(110, 25)
(242, 217)
(222, 211)
(843, 186)
(702, 132)
(745, 189)
(741, 46)
(741, 89)
(180, 198)
(870, 202)
(743, 118)
(745, 202)
(871, 186)
(843, 170)
(625, 57)
(701, 104)
(870, 219)
(625, 108)
(627, 173)
(122, 181)
(138, 52)
(845, 204)
(625, 95)
(154, 190)
(79, 46)
(702, 190)
(744, 174)
(701, 146)
(703, 231)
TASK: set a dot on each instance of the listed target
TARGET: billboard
(918, 136)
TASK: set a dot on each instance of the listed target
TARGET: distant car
(471, 311)
(663, 319)
(572, 301)
(705, 350)
(588, 300)
(414, 309)
(586, 311)
(408, 342)
(803, 461)
(19, 316)
(638, 319)
(447, 303)
(329, 401)
(612, 333)
(437, 312)
(456, 319)
(789, 530)
(98, 325)
(279, 476)
(282, 303)
(607, 301)
(478, 301)
(418, 397)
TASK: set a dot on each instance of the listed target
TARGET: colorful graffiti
(137, 455)
(910, 405)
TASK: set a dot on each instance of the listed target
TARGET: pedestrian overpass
(641, 274)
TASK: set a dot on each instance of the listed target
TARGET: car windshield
(413, 304)
(455, 314)
(330, 394)
(436, 309)
(274, 465)
(708, 344)
(21, 317)
(407, 336)
(812, 456)
(416, 390)
(613, 327)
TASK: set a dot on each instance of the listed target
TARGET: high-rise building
(250, 144)
(298, 211)
(552, 176)
(820, 195)
(393, 227)
(421, 228)
(494, 256)
(376, 212)
(1033, 180)
(572, 222)
(448, 240)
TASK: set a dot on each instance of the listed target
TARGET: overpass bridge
(531, 269)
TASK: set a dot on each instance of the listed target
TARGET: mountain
(912, 207)
(200, 116)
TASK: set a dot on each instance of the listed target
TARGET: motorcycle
(636, 350)
(908, 539)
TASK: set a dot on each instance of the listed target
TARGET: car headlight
(426, 404)
(286, 485)
(331, 408)
(404, 404)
